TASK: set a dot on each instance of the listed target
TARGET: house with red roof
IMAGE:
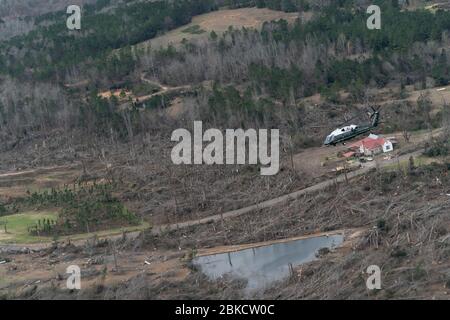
(372, 145)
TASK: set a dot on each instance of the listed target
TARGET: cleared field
(17, 226)
(16, 184)
(17, 229)
(219, 22)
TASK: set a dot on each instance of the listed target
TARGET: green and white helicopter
(343, 134)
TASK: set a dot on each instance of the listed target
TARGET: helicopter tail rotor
(375, 116)
(375, 111)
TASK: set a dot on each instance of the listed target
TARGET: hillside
(90, 174)
(219, 22)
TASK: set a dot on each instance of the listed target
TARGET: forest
(87, 120)
(253, 70)
(50, 50)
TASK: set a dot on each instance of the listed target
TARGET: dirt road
(269, 203)
(235, 213)
(163, 90)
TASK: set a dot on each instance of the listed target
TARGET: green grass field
(17, 229)
(17, 226)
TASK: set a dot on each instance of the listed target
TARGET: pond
(262, 265)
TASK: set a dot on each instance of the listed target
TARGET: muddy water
(263, 265)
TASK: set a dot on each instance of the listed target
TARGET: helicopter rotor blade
(347, 120)
(375, 109)
(370, 114)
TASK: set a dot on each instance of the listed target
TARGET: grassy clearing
(17, 226)
(84, 208)
(219, 22)
(76, 211)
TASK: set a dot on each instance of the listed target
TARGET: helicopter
(349, 132)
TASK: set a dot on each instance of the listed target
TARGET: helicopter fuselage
(343, 134)
(349, 132)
